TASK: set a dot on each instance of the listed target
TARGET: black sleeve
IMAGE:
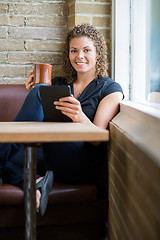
(111, 87)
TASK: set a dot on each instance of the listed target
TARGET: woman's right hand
(30, 81)
(71, 107)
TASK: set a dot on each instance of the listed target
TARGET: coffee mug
(42, 73)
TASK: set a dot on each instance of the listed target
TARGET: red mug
(42, 73)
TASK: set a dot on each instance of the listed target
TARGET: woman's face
(82, 55)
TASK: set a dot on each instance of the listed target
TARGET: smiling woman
(82, 56)
(94, 101)
(97, 40)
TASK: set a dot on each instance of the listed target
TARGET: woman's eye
(87, 50)
(73, 51)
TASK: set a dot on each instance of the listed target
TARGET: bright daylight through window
(136, 49)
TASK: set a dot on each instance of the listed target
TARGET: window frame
(121, 54)
(126, 38)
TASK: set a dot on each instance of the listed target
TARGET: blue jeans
(72, 162)
(12, 155)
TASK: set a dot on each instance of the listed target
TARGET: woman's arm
(107, 109)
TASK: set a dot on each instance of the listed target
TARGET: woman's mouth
(81, 63)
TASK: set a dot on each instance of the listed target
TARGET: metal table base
(30, 191)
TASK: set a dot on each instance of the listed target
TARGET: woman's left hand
(71, 107)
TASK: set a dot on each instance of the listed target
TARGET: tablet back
(49, 94)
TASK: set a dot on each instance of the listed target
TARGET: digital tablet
(49, 94)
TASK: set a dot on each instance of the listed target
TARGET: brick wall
(30, 31)
(93, 12)
(33, 31)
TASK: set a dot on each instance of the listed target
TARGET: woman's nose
(80, 54)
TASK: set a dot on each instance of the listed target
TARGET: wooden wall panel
(134, 183)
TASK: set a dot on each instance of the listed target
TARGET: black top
(95, 91)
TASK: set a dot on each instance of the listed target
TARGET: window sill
(141, 124)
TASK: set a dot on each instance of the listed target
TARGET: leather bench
(77, 212)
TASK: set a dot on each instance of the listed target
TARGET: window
(154, 51)
(136, 49)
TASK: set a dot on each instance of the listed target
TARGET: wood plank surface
(30, 132)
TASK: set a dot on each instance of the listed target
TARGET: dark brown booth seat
(74, 211)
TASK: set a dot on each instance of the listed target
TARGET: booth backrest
(11, 100)
(73, 211)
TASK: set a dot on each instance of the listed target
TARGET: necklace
(79, 92)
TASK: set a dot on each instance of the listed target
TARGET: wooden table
(33, 133)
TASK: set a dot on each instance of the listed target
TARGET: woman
(95, 100)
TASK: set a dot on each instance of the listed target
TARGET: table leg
(30, 192)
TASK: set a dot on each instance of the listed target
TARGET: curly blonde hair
(86, 30)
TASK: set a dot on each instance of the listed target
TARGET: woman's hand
(71, 107)
(30, 83)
